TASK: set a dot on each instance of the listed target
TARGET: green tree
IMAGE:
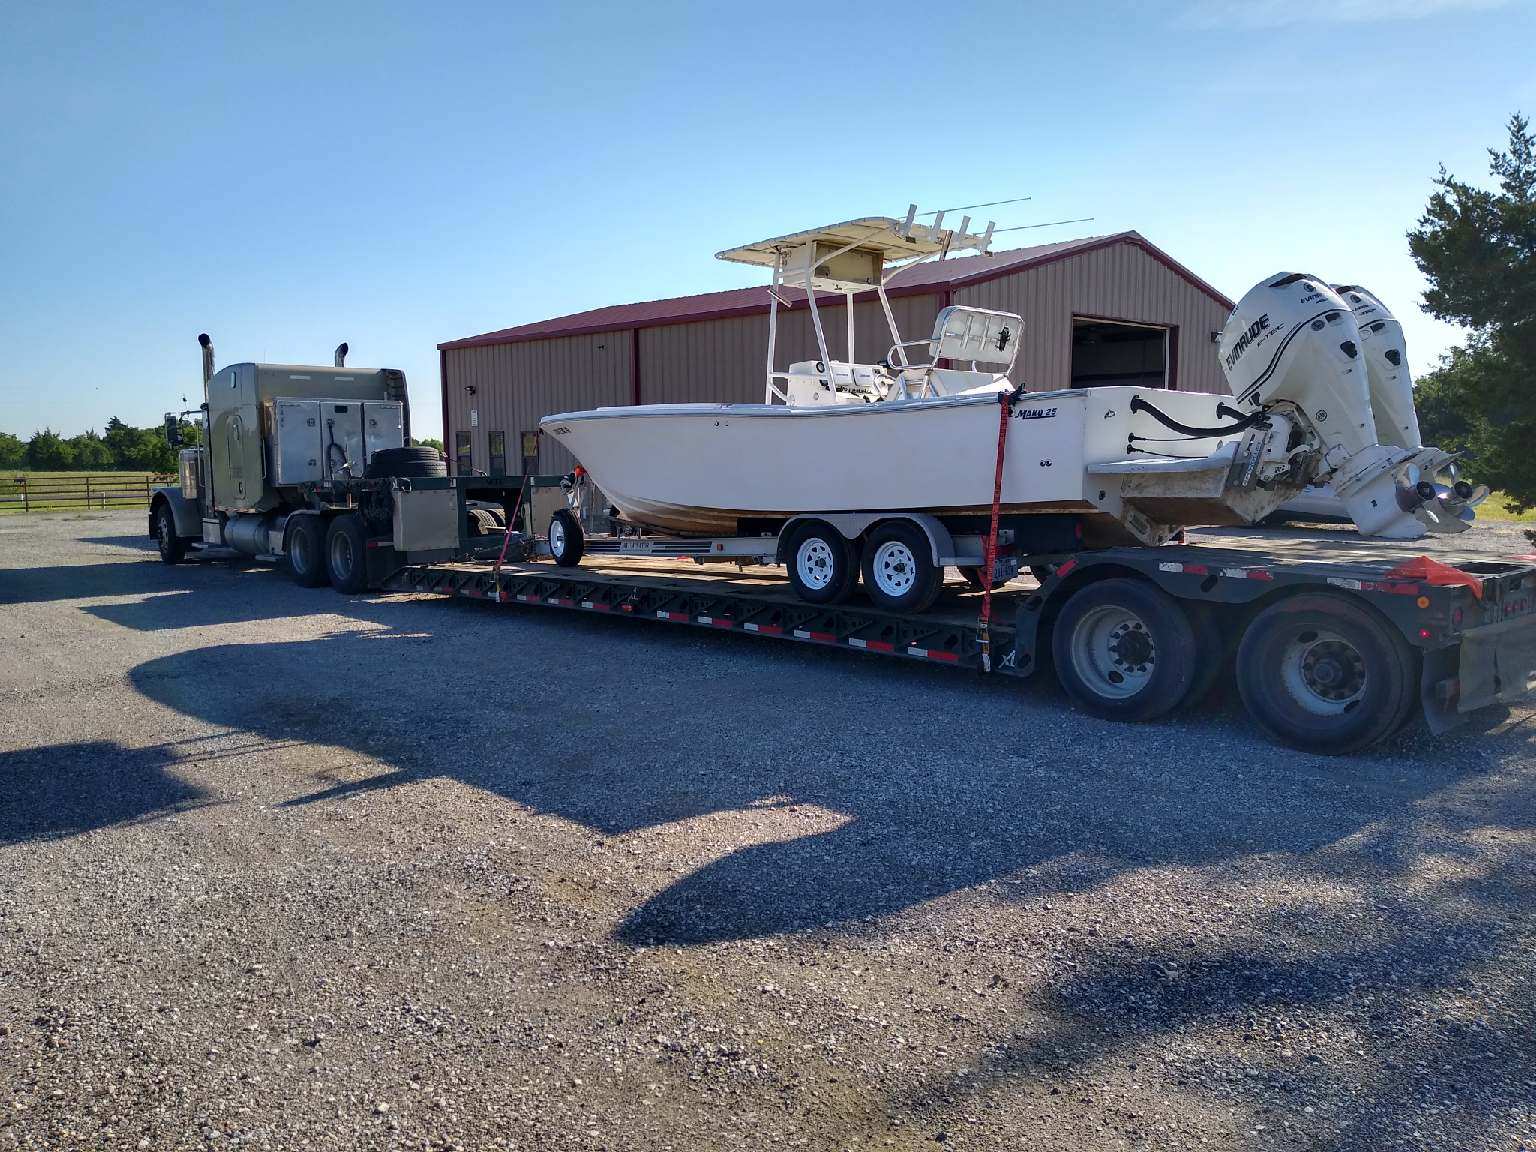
(89, 453)
(429, 442)
(13, 452)
(1477, 248)
(48, 452)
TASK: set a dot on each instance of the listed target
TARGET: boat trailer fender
(854, 524)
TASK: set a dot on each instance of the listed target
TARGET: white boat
(912, 434)
(920, 437)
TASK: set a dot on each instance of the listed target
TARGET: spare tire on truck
(411, 461)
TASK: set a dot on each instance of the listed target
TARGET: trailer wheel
(173, 549)
(1324, 674)
(304, 551)
(822, 563)
(565, 539)
(1124, 649)
(1213, 652)
(899, 571)
(345, 559)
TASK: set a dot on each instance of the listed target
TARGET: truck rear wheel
(821, 564)
(173, 549)
(1324, 674)
(304, 551)
(345, 554)
(1124, 649)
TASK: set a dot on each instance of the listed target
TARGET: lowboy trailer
(1330, 653)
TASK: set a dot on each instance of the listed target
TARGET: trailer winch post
(507, 539)
(1005, 403)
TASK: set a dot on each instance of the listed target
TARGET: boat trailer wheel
(894, 568)
(1113, 652)
(1323, 672)
(814, 563)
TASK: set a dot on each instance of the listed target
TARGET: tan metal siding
(1120, 282)
(723, 361)
(516, 384)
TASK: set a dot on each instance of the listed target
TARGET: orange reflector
(1422, 601)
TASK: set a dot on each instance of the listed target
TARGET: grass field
(1496, 507)
(26, 491)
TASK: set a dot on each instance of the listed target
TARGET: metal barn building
(1100, 310)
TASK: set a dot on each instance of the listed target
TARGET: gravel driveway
(285, 869)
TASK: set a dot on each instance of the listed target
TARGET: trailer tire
(173, 549)
(346, 558)
(304, 551)
(822, 563)
(1124, 649)
(898, 568)
(1324, 674)
(566, 542)
(412, 460)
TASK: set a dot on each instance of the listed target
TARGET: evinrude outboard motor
(1293, 344)
(1386, 364)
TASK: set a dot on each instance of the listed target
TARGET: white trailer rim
(1113, 653)
(814, 563)
(894, 568)
(556, 538)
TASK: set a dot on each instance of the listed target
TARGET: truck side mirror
(172, 430)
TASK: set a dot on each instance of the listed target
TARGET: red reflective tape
(561, 601)
(626, 607)
(879, 646)
(765, 629)
(1260, 574)
(1196, 570)
(722, 622)
(947, 657)
(1401, 589)
(379, 544)
(1066, 567)
(596, 607)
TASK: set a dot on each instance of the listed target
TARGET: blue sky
(289, 176)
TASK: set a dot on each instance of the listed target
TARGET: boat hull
(703, 468)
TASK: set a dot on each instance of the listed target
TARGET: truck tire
(346, 559)
(566, 542)
(413, 460)
(173, 549)
(898, 568)
(1324, 674)
(821, 563)
(304, 551)
(1124, 649)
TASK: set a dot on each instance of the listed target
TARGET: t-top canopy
(882, 239)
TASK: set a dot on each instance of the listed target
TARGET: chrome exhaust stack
(202, 338)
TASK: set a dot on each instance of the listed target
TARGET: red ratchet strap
(1005, 402)
(507, 539)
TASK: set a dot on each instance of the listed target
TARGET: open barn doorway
(1117, 352)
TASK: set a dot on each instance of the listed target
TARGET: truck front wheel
(304, 553)
(1324, 674)
(345, 559)
(173, 549)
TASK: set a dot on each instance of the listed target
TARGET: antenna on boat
(968, 207)
(1047, 224)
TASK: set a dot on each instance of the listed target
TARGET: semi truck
(1331, 649)
(311, 467)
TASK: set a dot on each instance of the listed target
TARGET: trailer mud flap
(1493, 664)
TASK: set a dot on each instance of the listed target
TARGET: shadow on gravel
(139, 543)
(81, 581)
(66, 789)
(622, 727)
(1411, 1030)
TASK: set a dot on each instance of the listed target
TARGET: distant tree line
(120, 448)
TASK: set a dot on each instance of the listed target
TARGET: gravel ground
(284, 869)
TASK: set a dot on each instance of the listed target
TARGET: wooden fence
(63, 491)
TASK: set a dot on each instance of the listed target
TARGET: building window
(464, 458)
(1117, 352)
(498, 452)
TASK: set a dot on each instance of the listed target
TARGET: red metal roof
(923, 278)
